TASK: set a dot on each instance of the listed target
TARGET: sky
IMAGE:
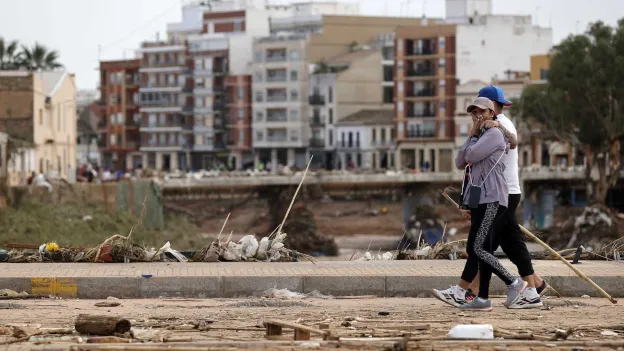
(85, 31)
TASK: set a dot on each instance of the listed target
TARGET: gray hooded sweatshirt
(483, 151)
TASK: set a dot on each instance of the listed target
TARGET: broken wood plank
(280, 323)
(101, 325)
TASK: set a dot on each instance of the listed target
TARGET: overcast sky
(76, 27)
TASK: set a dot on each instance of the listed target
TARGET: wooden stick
(279, 230)
(554, 253)
(223, 227)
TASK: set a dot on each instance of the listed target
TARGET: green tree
(39, 57)
(582, 102)
(9, 57)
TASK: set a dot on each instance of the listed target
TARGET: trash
(176, 254)
(609, 333)
(585, 296)
(4, 256)
(87, 218)
(383, 313)
(146, 275)
(107, 304)
(101, 325)
(249, 246)
(472, 331)
(286, 294)
(11, 293)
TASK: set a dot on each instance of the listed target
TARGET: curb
(246, 286)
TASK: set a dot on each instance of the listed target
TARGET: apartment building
(339, 87)
(425, 84)
(280, 90)
(365, 139)
(119, 117)
(38, 110)
(540, 65)
(489, 44)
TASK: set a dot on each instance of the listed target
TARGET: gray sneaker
(514, 291)
(478, 304)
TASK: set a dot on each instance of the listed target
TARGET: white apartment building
(280, 92)
(487, 45)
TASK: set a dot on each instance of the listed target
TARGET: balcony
(317, 142)
(349, 144)
(424, 72)
(317, 120)
(420, 51)
(276, 78)
(277, 98)
(102, 125)
(277, 117)
(417, 133)
(426, 92)
(276, 57)
(277, 138)
(423, 114)
(316, 100)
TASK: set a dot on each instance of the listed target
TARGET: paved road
(339, 278)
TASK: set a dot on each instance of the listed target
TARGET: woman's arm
(490, 141)
(460, 161)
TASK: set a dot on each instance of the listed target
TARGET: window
(294, 76)
(208, 63)
(112, 99)
(400, 128)
(544, 73)
(294, 115)
(388, 95)
(330, 95)
(442, 63)
(294, 95)
(238, 27)
(241, 114)
(442, 106)
(400, 87)
(259, 116)
(442, 83)
(294, 135)
(241, 93)
(400, 106)
(294, 55)
(463, 130)
(442, 130)
(171, 79)
(259, 96)
(331, 138)
(113, 139)
(111, 78)
(399, 44)
(198, 63)
(258, 56)
(199, 101)
(172, 139)
(441, 42)
(258, 76)
(241, 136)
(112, 119)
(330, 114)
(259, 135)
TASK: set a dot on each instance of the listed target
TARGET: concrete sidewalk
(205, 280)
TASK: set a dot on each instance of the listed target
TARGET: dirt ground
(361, 323)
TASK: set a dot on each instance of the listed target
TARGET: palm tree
(9, 58)
(39, 58)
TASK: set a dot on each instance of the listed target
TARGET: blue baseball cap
(494, 93)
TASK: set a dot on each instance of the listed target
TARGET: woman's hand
(476, 126)
(465, 214)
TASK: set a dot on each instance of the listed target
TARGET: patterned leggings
(479, 245)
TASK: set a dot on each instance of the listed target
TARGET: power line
(140, 28)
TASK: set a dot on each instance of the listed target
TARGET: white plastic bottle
(472, 331)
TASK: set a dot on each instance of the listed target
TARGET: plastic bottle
(472, 331)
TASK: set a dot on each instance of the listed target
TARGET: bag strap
(488, 174)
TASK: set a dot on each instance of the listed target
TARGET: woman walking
(486, 196)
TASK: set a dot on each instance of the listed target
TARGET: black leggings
(507, 234)
(479, 246)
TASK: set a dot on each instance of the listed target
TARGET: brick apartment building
(425, 84)
(119, 114)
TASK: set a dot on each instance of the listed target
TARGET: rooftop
(368, 117)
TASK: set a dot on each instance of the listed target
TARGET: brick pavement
(382, 278)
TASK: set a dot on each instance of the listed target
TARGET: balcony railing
(345, 144)
(276, 78)
(158, 103)
(316, 99)
(318, 121)
(420, 52)
(277, 98)
(416, 133)
(281, 117)
(317, 142)
(421, 72)
(424, 92)
(167, 63)
(278, 138)
(425, 113)
(275, 58)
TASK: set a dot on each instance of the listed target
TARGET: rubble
(595, 227)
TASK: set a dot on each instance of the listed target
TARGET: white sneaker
(454, 296)
(529, 298)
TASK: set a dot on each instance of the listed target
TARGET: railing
(277, 118)
(276, 78)
(277, 98)
(275, 58)
(424, 92)
(420, 73)
(345, 144)
(420, 133)
(278, 138)
(317, 121)
(316, 99)
(158, 103)
(168, 63)
(420, 52)
(426, 113)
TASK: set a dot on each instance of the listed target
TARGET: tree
(582, 102)
(9, 57)
(39, 58)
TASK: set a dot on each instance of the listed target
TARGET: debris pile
(451, 251)
(307, 238)
(595, 227)
(425, 224)
(248, 248)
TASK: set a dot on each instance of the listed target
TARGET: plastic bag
(167, 248)
(249, 245)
